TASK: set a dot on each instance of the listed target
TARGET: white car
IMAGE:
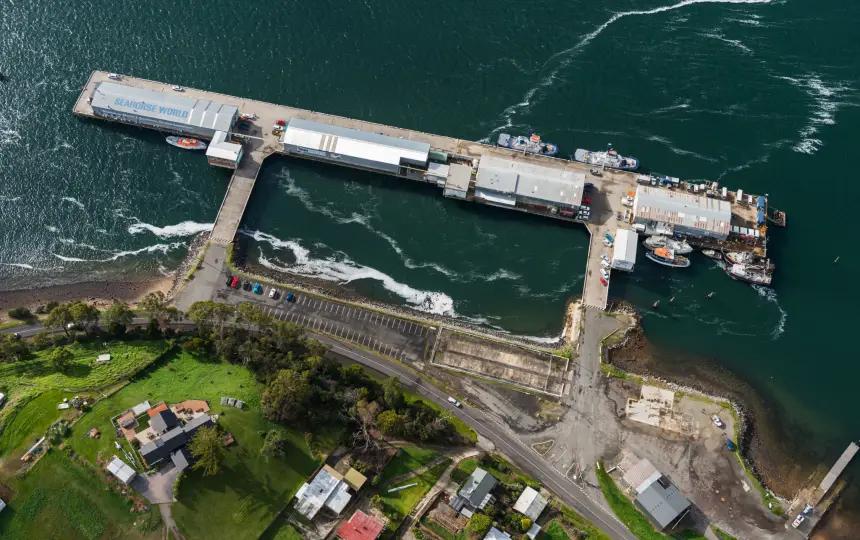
(454, 402)
(798, 520)
(604, 258)
(273, 293)
(605, 264)
(114, 76)
(607, 242)
(604, 273)
(717, 421)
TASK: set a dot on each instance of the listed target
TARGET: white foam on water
(52, 228)
(156, 248)
(500, 274)
(19, 265)
(568, 54)
(736, 43)
(186, 228)
(76, 202)
(684, 104)
(680, 151)
(826, 101)
(770, 295)
(345, 271)
(4, 198)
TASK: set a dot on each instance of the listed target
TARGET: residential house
(663, 503)
(360, 527)
(476, 491)
(530, 504)
(496, 534)
(327, 489)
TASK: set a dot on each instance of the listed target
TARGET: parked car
(798, 520)
(586, 200)
(607, 242)
(454, 402)
(229, 280)
(235, 283)
(730, 444)
(280, 123)
(605, 264)
(604, 258)
(273, 294)
(291, 297)
(609, 237)
(717, 421)
(589, 185)
(604, 273)
(603, 281)
(258, 289)
(246, 286)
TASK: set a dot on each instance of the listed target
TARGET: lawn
(556, 532)
(281, 530)
(632, 518)
(61, 498)
(442, 532)
(407, 460)
(404, 500)
(23, 426)
(127, 358)
(463, 470)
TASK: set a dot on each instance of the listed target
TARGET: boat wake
(76, 202)
(186, 228)
(343, 270)
(4, 198)
(736, 43)
(567, 55)
(770, 295)
(826, 101)
(156, 248)
(680, 151)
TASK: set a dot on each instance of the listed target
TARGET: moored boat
(186, 143)
(530, 145)
(711, 254)
(750, 274)
(609, 158)
(248, 116)
(680, 247)
(667, 257)
(740, 257)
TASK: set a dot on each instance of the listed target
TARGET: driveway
(157, 487)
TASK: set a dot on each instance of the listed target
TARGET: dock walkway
(238, 193)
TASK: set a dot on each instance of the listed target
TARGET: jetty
(600, 200)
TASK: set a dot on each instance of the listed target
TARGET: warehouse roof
(524, 179)
(530, 504)
(355, 143)
(662, 502)
(626, 242)
(682, 208)
(164, 106)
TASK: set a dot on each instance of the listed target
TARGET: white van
(454, 402)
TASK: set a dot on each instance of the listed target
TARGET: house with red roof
(360, 527)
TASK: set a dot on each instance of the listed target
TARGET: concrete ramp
(238, 193)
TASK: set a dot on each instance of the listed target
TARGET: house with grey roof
(476, 491)
(163, 422)
(530, 503)
(662, 502)
(168, 442)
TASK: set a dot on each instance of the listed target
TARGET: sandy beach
(101, 294)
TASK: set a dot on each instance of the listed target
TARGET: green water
(758, 95)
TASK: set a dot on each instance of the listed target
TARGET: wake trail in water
(186, 228)
(76, 202)
(568, 54)
(770, 295)
(345, 270)
(156, 248)
(826, 101)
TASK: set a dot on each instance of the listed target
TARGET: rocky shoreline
(195, 253)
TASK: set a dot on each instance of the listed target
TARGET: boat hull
(756, 278)
(711, 254)
(186, 143)
(522, 144)
(681, 248)
(677, 262)
(596, 158)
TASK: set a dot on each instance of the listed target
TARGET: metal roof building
(662, 502)
(530, 503)
(505, 181)
(354, 147)
(476, 490)
(121, 470)
(624, 250)
(682, 212)
(162, 110)
(326, 489)
(223, 153)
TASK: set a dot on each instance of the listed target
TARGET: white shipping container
(740, 197)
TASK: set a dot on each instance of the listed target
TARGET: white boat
(711, 254)
(658, 241)
(186, 143)
(177, 88)
(740, 257)
(667, 257)
(750, 274)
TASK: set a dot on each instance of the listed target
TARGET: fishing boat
(658, 241)
(186, 143)
(531, 144)
(609, 158)
(740, 257)
(667, 257)
(248, 116)
(750, 274)
(711, 254)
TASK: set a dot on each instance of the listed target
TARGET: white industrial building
(222, 153)
(162, 110)
(328, 489)
(530, 503)
(624, 250)
(354, 147)
(665, 211)
(507, 183)
(121, 470)
(457, 183)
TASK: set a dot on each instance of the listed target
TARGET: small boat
(248, 116)
(610, 158)
(531, 144)
(658, 241)
(186, 143)
(177, 88)
(656, 304)
(667, 257)
(711, 254)
(740, 257)
(114, 77)
(756, 275)
(709, 295)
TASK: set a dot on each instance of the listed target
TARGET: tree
(275, 444)
(390, 423)
(210, 316)
(61, 358)
(117, 317)
(364, 414)
(83, 315)
(12, 348)
(525, 524)
(59, 317)
(478, 525)
(287, 397)
(20, 313)
(153, 304)
(393, 393)
(207, 449)
(42, 340)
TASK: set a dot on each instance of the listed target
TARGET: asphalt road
(504, 440)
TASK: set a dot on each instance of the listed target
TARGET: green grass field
(61, 498)
(407, 460)
(555, 532)
(632, 518)
(281, 530)
(22, 427)
(404, 501)
(463, 470)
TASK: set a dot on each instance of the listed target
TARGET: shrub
(478, 525)
(20, 313)
(177, 483)
(58, 430)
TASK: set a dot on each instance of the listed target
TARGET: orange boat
(186, 143)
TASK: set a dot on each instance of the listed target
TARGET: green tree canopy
(117, 317)
(275, 444)
(59, 317)
(287, 397)
(390, 423)
(393, 393)
(61, 358)
(84, 315)
(208, 450)
(479, 525)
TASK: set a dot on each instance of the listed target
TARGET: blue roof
(760, 217)
(760, 201)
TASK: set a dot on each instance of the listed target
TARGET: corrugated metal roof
(355, 143)
(626, 243)
(164, 106)
(121, 470)
(477, 487)
(548, 184)
(459, 176)
(662, 504)
(682, 208)
(530, 503)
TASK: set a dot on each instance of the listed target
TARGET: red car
(603, 280)
(586, 200)
(235, 283)
(281, 123)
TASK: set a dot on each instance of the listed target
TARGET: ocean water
(757, 94)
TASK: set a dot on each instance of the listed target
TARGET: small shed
(103, 359)
(231, 402)
(240, 404)
(354, 479)
(530, 503)
(141, 408)
(123, 472)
